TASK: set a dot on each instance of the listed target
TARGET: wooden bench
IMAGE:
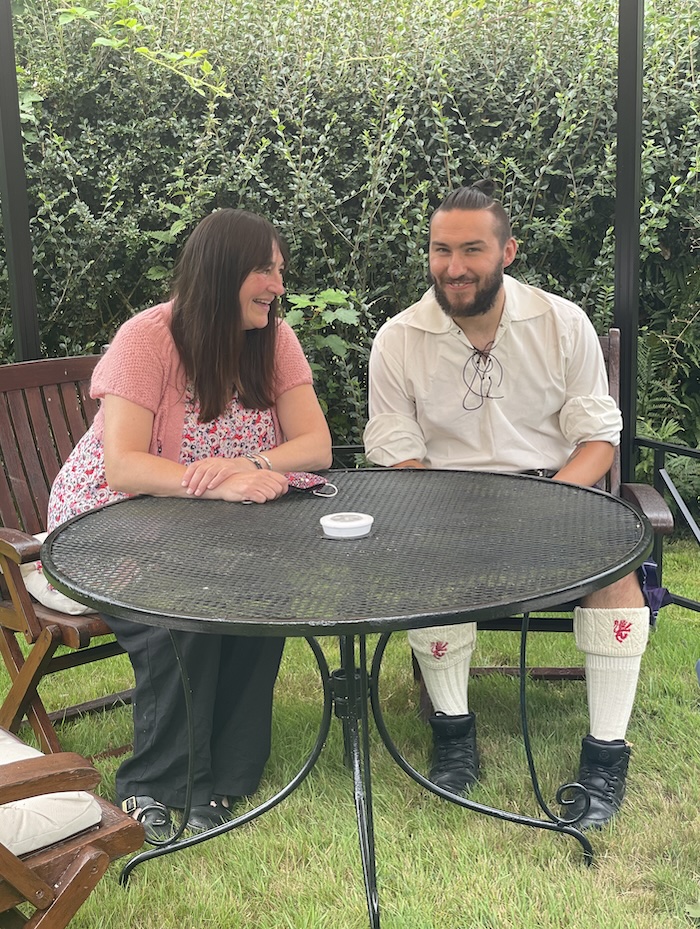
(45, 408)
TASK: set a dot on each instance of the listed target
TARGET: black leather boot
(603, 772)
(455, 764)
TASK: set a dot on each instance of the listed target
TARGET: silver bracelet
(265, 459)
(255, 461)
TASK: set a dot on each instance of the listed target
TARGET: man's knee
(622, 594)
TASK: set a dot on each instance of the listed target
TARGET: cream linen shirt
(540, 391)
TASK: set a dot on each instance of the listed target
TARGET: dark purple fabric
(654, 595)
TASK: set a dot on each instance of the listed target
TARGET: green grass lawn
(439, 866)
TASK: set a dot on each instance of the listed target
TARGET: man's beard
(482, 301)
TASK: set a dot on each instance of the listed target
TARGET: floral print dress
(82, 485)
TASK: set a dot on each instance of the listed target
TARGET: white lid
(346, 525)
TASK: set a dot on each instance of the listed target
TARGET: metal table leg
(351, 690)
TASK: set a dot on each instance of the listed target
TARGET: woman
(208, 395)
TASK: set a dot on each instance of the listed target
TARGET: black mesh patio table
(445, 547)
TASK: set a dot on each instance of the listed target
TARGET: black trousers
(231, 679)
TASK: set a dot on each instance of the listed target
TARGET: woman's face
(259, 290)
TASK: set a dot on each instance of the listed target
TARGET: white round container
(346, 525)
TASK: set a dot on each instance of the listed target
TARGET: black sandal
(208, 816)
(153, 816)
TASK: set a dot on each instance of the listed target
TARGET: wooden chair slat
(43, 437)
(56, 418)
(45, 408)
(8, 508)
(26, 444)
(19, 510)
(90, 406)
(27, 374)
(73, 412)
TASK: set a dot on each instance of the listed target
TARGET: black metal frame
(14, 200)
(664, 483)
(627, 220)
(349, 691)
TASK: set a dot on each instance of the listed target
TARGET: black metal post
(13, 200)
(627, 221)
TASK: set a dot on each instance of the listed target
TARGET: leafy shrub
(140, 118)
(335, 332)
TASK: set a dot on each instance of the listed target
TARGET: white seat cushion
(37, 585)
(27, 825)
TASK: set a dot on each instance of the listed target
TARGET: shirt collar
(428, 316)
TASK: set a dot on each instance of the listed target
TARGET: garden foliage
(345, 122)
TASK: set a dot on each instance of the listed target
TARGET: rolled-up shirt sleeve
(591, 419)
(589, 413)
(390, 438)
(392, 433)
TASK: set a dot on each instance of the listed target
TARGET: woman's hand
(131, 468)
(253, 486)
(210, 473)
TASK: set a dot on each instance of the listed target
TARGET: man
(487, 373)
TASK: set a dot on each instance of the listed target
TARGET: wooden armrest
(650, 502)
(46, 774)
(18, 546)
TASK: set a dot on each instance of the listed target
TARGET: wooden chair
(644, 497)
(56, 880)
(45, 408)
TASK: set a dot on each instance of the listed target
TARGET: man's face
(467, 261)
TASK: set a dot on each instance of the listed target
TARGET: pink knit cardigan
(142, 365)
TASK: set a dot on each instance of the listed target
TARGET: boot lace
(600, 781)
(456, 754)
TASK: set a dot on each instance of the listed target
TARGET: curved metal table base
(553, 823)
(348, 692)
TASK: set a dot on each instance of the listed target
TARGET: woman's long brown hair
(218, 355)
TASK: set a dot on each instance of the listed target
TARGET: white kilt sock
(444, 655)
(613, 642)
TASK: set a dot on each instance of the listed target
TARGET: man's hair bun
(486, 186)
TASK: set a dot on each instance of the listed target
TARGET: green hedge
(345, 123)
